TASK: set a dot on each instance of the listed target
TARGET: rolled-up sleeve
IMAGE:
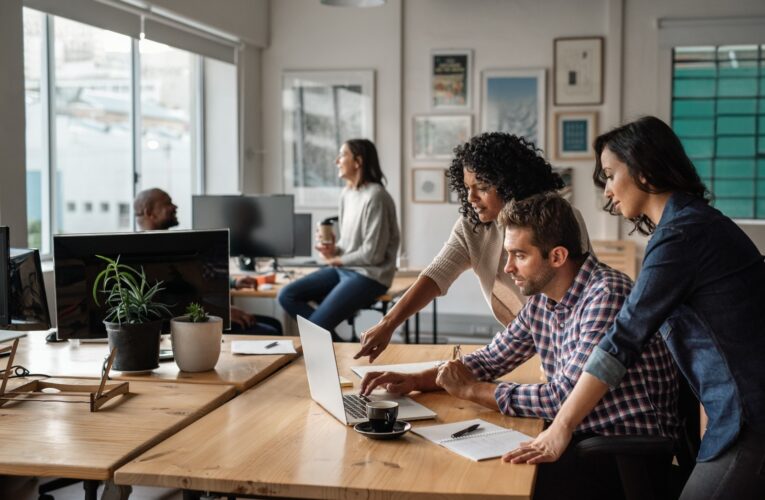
(666, 277)
(451, 261)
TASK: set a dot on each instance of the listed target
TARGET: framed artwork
(321, 109)
(450, 79)
(436, 136)
(574, 133)
(513, 100)
(578, 70)
(428, 185)
(452, 196)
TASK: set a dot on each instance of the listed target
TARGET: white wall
(502, 34)
(13, 198)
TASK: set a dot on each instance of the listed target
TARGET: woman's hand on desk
(548, 446)
(374, 341)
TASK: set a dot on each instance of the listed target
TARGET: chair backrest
(619, 254)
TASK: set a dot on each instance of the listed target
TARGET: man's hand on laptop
(396, 383)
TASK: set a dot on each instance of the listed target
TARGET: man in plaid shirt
(573, 301)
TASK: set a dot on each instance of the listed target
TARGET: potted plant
(196, 339)
(134, 318)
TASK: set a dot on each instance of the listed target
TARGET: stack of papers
(488, 441)
(259, 347)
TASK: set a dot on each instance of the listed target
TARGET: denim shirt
(702, 286)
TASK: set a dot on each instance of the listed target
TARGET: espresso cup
(326, 234)
(382, 415)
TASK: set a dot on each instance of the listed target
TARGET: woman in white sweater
(362, 263)
(486, 172)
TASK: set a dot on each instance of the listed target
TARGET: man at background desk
(154, 210)
(573, 301)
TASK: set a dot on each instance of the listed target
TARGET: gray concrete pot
(137, 345)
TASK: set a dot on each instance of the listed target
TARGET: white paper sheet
(259, 347)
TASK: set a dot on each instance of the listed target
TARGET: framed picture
(452, 196)
(574, 133)
(321, 109)
(450, 79)
(578, 70)
(428, 185)
(513, 100)
(436, 136)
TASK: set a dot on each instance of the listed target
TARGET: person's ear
(558, 256)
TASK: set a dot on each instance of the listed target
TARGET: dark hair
(551, 220)
(650, 149)
(511, 164)
(370, 163)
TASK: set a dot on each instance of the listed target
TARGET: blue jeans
(339, 292)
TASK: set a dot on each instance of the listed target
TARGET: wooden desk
(57, 439)
(402, 281)
(86, 359)
(274, 440)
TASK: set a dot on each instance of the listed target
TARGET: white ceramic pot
(196, 346)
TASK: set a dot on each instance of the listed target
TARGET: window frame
(48, 185)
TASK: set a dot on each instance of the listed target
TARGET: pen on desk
(272, 344)
(466, 430)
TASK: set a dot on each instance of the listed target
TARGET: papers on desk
(402, 368)
(488, 441)
(259, 347)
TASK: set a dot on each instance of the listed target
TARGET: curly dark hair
(511, 164)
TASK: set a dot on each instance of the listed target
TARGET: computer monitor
(23, 303)
(303, 235)
(5, 275)
(259, 225)
(193, 266)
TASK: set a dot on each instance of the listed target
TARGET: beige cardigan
(483, 251)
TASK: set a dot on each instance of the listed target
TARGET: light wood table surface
(85, 360)
(59, 439)
(273, 440)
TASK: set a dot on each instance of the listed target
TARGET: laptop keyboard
(355, 405)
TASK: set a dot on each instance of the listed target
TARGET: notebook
(402, 368)
(488, 441)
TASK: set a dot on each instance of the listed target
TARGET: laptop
(324, 382)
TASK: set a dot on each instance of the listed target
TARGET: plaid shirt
(564, 334)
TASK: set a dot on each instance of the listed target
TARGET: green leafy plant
(196, 313)
(129, 297)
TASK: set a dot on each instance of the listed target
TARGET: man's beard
(537, 284)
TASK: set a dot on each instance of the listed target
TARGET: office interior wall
(13, 199)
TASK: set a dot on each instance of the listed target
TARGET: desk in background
(402, 281)
(274, 440)
(59, 439)
(86, 360)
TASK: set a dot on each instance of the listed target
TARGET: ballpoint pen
(272, 344)
(466, 430)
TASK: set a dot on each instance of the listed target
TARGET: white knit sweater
(483, 251)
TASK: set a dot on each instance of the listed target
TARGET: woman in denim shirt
(703, 286)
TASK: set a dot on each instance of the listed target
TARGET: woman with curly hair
(486, 172)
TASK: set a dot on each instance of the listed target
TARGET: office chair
(645, 462)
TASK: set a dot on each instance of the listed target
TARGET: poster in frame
(320, 110)
(578, 71)
(428, 185)
(436, 136)
(514, 101)
(574, 134)
(450, 81)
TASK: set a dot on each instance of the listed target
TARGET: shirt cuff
(503, 395)
(605, 367)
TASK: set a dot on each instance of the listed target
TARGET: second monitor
(259, 226)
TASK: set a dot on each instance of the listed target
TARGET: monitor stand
(246, 263)
(53, 337)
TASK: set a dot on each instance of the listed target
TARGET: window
(124, 116)
(718, 111)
